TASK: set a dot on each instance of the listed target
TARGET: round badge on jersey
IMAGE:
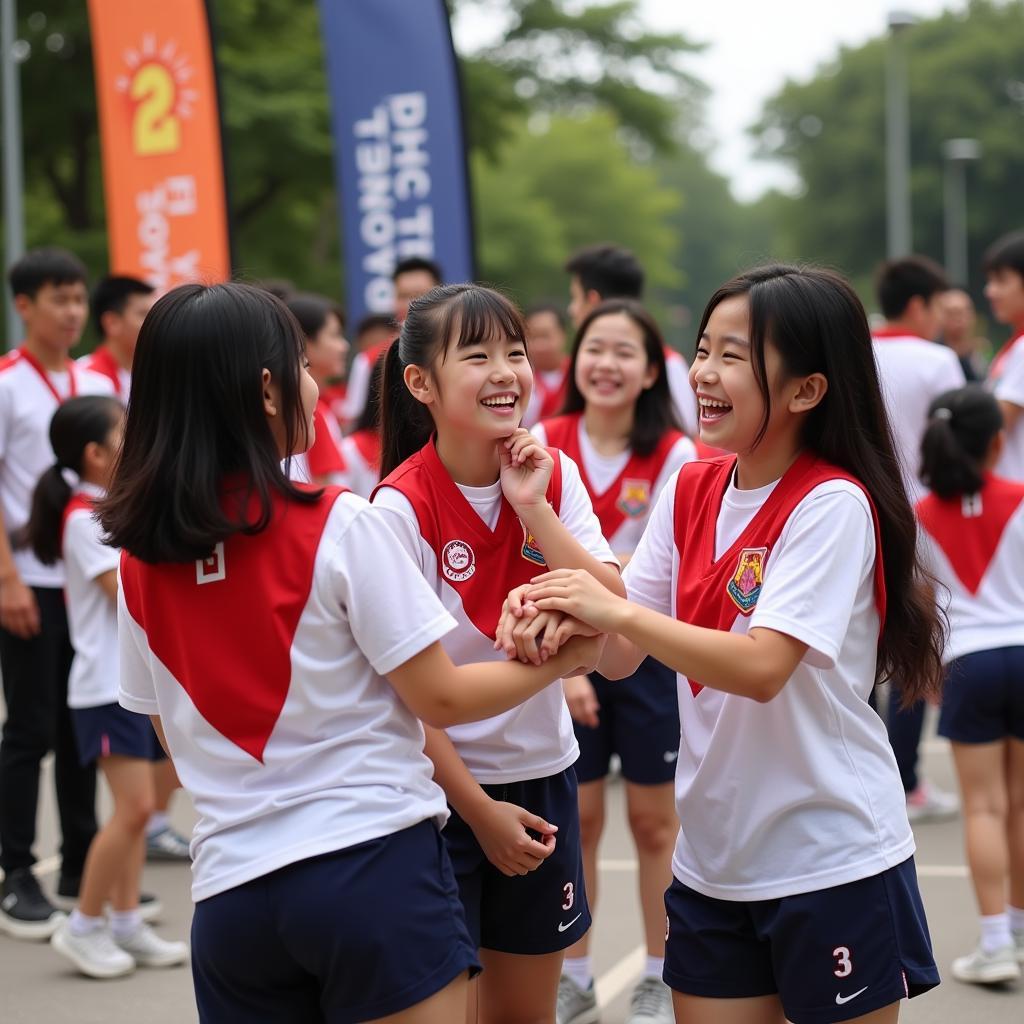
(458, 562)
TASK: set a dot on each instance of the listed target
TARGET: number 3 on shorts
(570, 896)
(844, 965)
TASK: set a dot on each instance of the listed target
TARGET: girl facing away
(972, 539)
(287, 649)
(480, 507)
(781, 582)
(85, 434)
(619, 427)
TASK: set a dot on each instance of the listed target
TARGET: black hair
(609, 270)
(312, 312)
(280, 287)
(654, 415)
(196, 416)
(478, 314)
(1006, 253)
(111, 295)
(78, 422)
(556, 310)
(376, 322)
(40, 267)
(369, 418)
(816, 323)
(899, 281)
(961, 426)
(412, 263)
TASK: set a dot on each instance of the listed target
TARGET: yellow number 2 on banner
(156, 128)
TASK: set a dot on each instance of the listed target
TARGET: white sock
(1016, 917)
(82, 925)
(995, 933)
(125, 923)
(578, 968)
(653, 966)
(158, 821)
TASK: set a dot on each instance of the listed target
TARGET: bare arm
(19, 611)
(108, 584)
(158, 728)
(1011, 413)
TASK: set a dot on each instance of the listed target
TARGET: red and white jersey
(683, 398)
(624, 487)
(548, 397)
(29, 396)
(266, 665)
(361, 451)
(1006, 377)
(974, 546)
(92, 615)
(324, 458)
(800, 793)
(102, 361)
(472, 549)
(359, 381)
(913, 372)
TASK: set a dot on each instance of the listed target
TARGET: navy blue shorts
(345, 937)
(983, 698)
(639, 721)
(829, 955)
(112, 729)
(533, 914)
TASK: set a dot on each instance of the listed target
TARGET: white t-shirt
(344, 761)
(358, 388)
(1009, 387)
(535, 739)
(913, 372)
(103, 363)
(26, 407)
(92, 616)
(683, 397)
(801, 793)
(362, 477)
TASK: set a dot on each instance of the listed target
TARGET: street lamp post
(14, 212)
(899, 237)
(957, 153)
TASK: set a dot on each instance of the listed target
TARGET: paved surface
(39, 987)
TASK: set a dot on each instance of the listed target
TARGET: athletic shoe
(983, 968)
(576, 1005)
(150, 907)
(147, 949)
(1018, 941)
(651, 1003)
(96, 955)
(929, 803)
(167, 845)
(25, 913)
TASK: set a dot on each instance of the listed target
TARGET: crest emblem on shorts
(458, 562)
(745, 586)
(531, 551)
(634, 498)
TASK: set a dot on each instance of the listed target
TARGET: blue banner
(400, 155)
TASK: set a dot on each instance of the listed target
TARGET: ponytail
(405, 423)
(78, 422)
(957, 440)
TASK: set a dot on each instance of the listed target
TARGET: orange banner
(163, 172)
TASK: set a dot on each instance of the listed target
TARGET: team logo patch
(531, 551)
(458, 562)
(634, 498)
(745, 586)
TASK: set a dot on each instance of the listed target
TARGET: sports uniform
(1006, 375)
(472, 549)
(358, 389)
(639, 716)
(549, 388)
(321, 883)
(101, 360)
(361, 452)
(793, 870)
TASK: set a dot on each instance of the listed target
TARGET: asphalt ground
(39, 987)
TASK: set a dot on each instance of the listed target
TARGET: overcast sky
(753, 47)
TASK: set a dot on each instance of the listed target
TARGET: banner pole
(14, 191)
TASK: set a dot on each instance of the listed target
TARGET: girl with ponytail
(85, 434)
(972, 539)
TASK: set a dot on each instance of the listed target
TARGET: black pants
(35, 680)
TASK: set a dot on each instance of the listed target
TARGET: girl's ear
(420, 386)
(271, 398)
(809, 393)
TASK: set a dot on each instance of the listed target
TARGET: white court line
(617, 979)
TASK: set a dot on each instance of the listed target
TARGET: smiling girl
(781, 582)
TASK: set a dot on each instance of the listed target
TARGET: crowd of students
(392, 626)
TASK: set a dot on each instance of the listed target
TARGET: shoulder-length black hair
(817, 324)
(476, 314)
(961, 427)
(654, 415)
(196, 416)
(312, 310)
(78, 422)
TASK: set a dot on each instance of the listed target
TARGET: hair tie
(71, 478)
(942, 413)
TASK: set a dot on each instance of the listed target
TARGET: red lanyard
(37, 366)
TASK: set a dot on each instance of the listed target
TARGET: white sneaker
(983, 968)
(651, 1003)
(929, 803)
(147, 949)
(576, 1005)
(95, 955)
